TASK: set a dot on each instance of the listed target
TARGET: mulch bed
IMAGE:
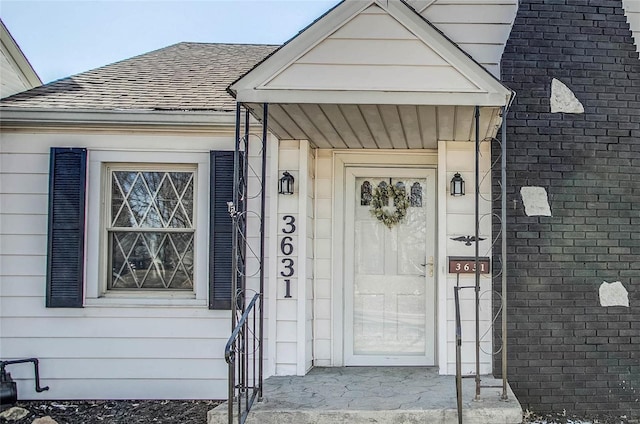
(119, 412)
(567, 418)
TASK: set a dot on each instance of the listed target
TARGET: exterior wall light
(285, 184)
(457, 185)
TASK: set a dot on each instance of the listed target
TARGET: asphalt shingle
(184, 76)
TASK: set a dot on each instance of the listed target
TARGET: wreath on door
(393, 214)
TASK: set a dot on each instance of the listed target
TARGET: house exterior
(16, 72)
(570, 346)
(116, 258)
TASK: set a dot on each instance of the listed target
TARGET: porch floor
(377, 395)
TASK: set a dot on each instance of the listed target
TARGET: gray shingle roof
(184, 76)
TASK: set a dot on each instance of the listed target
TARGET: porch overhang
(377, 126)
(427, 98)
(373, 74)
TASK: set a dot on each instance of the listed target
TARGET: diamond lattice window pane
(152, 260)
(123, 260)
(152, 199)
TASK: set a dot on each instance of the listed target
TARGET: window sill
(146, 300)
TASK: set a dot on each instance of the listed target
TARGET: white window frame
(97, 254)
(109, 170)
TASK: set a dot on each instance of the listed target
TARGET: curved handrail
(229, 354)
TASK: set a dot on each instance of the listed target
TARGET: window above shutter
(65, 251)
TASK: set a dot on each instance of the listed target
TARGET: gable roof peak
(373, 47)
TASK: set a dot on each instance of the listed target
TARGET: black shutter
(65, 253)
(220, 230)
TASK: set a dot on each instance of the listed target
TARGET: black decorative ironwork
(365, 194)
(384, 198)
(399, 186)
(467, 240)
(244, 350)
(415, 199)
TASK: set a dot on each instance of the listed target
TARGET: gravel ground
(119, 412)
(567, 418)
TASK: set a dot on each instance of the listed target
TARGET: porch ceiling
(382, 126)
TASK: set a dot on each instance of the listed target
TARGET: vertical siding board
(65, 260)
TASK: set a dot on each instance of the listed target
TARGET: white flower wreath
(389, 215)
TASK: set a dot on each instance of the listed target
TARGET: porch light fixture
(457, 185)
(285, 185)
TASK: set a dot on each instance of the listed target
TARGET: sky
(64, 38)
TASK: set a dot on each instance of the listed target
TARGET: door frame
(351, 194)
(383, 158)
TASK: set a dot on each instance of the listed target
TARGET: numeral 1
(287, 288)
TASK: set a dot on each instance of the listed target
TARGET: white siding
(480, 27)
(16, 74)
(456, 217)
(632, 11)
(322, 336)
(11, 81)
(460, 221)
(162, 349)
(373, 51)
(293, 352)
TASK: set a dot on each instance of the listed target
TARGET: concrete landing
(381, 395)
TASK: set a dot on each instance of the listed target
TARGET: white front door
(389, 272)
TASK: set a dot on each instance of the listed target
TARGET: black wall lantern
(457, 185)
(285, 185)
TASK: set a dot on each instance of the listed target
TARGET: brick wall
(566, 351)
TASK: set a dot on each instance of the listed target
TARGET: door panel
(389, 288)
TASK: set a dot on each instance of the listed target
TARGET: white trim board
(371, 159)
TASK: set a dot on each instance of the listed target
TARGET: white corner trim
(303, 192)
(272, 286)
(441, 336)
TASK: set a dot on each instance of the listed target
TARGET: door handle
(430, 264)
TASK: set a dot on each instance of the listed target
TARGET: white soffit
(371, 52)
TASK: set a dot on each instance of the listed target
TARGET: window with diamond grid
(151, 228)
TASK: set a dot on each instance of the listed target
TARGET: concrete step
(476, 415)
(380, 395)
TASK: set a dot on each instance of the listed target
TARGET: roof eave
(83, 117)
(443, 98)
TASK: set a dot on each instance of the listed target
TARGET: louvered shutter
(65, 253)
(220, 237)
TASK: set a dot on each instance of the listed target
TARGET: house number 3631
(286, 248)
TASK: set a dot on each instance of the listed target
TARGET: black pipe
(9, 388)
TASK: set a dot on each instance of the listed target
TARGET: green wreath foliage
(385, 213)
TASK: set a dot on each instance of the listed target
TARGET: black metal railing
(244, 350)
(244, 358)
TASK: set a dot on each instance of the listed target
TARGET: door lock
(430, 264)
